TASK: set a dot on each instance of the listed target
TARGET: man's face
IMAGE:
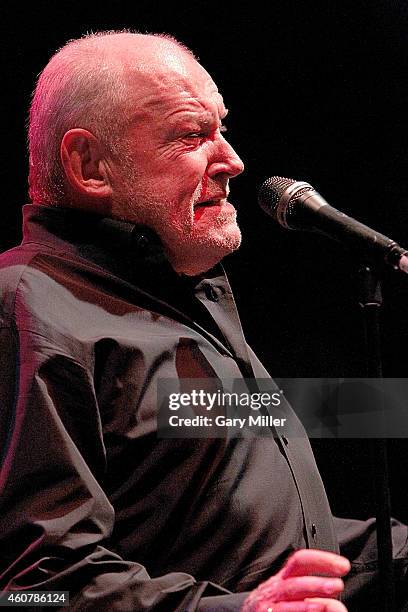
(174, 172)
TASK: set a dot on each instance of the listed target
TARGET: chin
(201, 253)
(226, 241)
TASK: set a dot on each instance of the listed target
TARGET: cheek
(180, 184)
(186, 189)
(187, 172)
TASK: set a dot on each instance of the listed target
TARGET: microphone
(297, 206)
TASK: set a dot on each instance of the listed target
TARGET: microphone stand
(370, 300)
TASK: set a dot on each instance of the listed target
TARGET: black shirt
(93, 316)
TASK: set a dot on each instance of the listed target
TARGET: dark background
(317, 91)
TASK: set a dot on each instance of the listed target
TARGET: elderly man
(115, 286)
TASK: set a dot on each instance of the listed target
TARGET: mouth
(208, 203)
(211, 207)
(201, 207)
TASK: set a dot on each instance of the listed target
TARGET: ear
(85, 165)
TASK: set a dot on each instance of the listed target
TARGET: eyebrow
(204, 117)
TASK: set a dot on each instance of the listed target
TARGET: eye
(201, 137)
(196, 135)
(194, 139)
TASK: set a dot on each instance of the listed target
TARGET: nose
(224, 160)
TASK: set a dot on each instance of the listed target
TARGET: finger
(296, 606)
(306, 562)
(330, 605)
(299, 588)
(312, 605)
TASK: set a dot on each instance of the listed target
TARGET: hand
(296, 588)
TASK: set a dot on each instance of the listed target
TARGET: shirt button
(142, 242)
(314, 531)
(211, 293)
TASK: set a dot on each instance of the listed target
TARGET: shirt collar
(117, 245)
(123, 248)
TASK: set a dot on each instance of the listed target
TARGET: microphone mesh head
(279, 197)
(271, 192)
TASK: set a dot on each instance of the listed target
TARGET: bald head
(94, 83)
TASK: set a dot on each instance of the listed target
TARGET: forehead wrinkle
(194, 112)
(172, 91)
(177, 106)
(157, 67)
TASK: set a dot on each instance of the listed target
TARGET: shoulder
(13, 265)
(32, 275)
(38, 304)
